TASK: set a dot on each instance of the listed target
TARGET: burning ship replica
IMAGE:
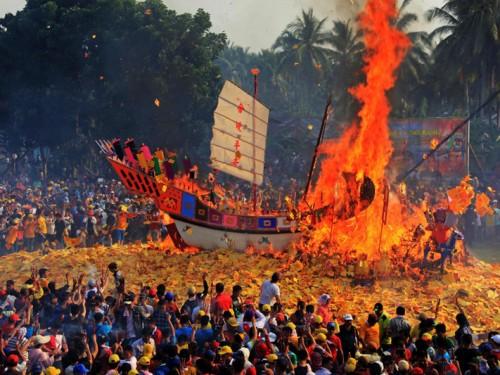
(238, 148)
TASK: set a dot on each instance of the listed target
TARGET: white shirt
(268, 293)
(138, 346)
(132, 361)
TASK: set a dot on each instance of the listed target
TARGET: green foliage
(74, 71)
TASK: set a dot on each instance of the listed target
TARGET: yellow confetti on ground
(150, 266)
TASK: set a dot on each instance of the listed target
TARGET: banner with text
(414, 138)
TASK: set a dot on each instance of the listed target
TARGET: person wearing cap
(51, 370)
(266, 312)
(334, 342)
(195, 300)
(383, 323)
(323, 308)
(80, 369)
(10, 325)
(230, 328)
(143, 365)
(113, 363)
(171, 305)
(138, 345)
(270, 291)
(426, 339)
(495, 341)
(12, 363)
(39, 358)
(403, 367)
(226, 355)
(350, 365)
(349, 336)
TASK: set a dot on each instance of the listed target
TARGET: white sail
(238, 143)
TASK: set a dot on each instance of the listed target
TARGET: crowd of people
(99, 326)
(74, 213)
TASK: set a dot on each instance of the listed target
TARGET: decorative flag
(129, 156)
(146, 152)
(142, 161)
(157, 167)
(159, 154)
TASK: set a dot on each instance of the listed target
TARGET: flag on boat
(238, 143)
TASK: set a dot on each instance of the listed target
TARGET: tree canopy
(73, 71)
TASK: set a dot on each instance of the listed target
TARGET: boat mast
(321, 134)
(255, 72)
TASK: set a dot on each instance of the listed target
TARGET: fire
(364, 149)
(461, 196)
(482, 205)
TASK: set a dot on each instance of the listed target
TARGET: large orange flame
(365, 148)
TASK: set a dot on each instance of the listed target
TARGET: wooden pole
(255, 72)
(321, 134)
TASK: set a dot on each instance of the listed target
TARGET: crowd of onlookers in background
(85, 212)
(74, 213)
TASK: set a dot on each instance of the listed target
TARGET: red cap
(261, 349)
(280, 317)
(14, 318)
(152, 292)
(12, 360)
(215, 344)
(3, 292)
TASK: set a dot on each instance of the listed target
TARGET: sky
(257, 23)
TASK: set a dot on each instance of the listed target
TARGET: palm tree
(406, 97)
(469, 47)
(235, 64)
(303, 56)
(346, 67)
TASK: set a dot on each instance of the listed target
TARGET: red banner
(413, 139)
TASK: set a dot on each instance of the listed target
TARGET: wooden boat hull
(212, 238)
(206, 227)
